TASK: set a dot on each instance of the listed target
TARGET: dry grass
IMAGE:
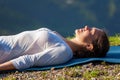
(89, 71)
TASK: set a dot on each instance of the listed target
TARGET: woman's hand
(7, 66)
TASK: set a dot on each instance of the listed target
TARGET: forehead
(96, 31)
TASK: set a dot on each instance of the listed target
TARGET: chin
(77, 32)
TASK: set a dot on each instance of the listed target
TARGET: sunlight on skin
(6, 66)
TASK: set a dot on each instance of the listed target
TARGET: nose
(87, 28)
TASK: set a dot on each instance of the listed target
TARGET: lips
(80, 30)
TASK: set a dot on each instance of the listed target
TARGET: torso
(27, 42)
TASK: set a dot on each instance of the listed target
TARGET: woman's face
(87, 34)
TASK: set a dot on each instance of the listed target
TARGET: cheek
(86, 36)
(82, 36)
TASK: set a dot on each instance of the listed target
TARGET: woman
(44, 47)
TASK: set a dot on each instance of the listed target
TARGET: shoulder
(64, 50)
(62, 53)
(44, 29)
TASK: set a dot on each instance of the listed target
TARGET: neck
(73, 45)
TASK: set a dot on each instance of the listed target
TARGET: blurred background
(63, 16)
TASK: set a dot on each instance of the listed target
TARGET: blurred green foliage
(60, 15)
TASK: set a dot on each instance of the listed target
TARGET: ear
(89, 47)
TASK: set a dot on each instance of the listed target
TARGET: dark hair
(100, 47)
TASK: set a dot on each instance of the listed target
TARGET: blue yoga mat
(113, 56)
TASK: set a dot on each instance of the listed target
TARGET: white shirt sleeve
(52, 56)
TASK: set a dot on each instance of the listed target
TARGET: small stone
(118, 74)
(93, 79)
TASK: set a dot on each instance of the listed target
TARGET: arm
(52, 56)
(7, 66)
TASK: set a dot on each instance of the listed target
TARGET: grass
(88, 71)
(115, 40)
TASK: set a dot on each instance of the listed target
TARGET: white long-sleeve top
(41, 47)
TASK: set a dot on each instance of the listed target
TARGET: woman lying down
(44, 47)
